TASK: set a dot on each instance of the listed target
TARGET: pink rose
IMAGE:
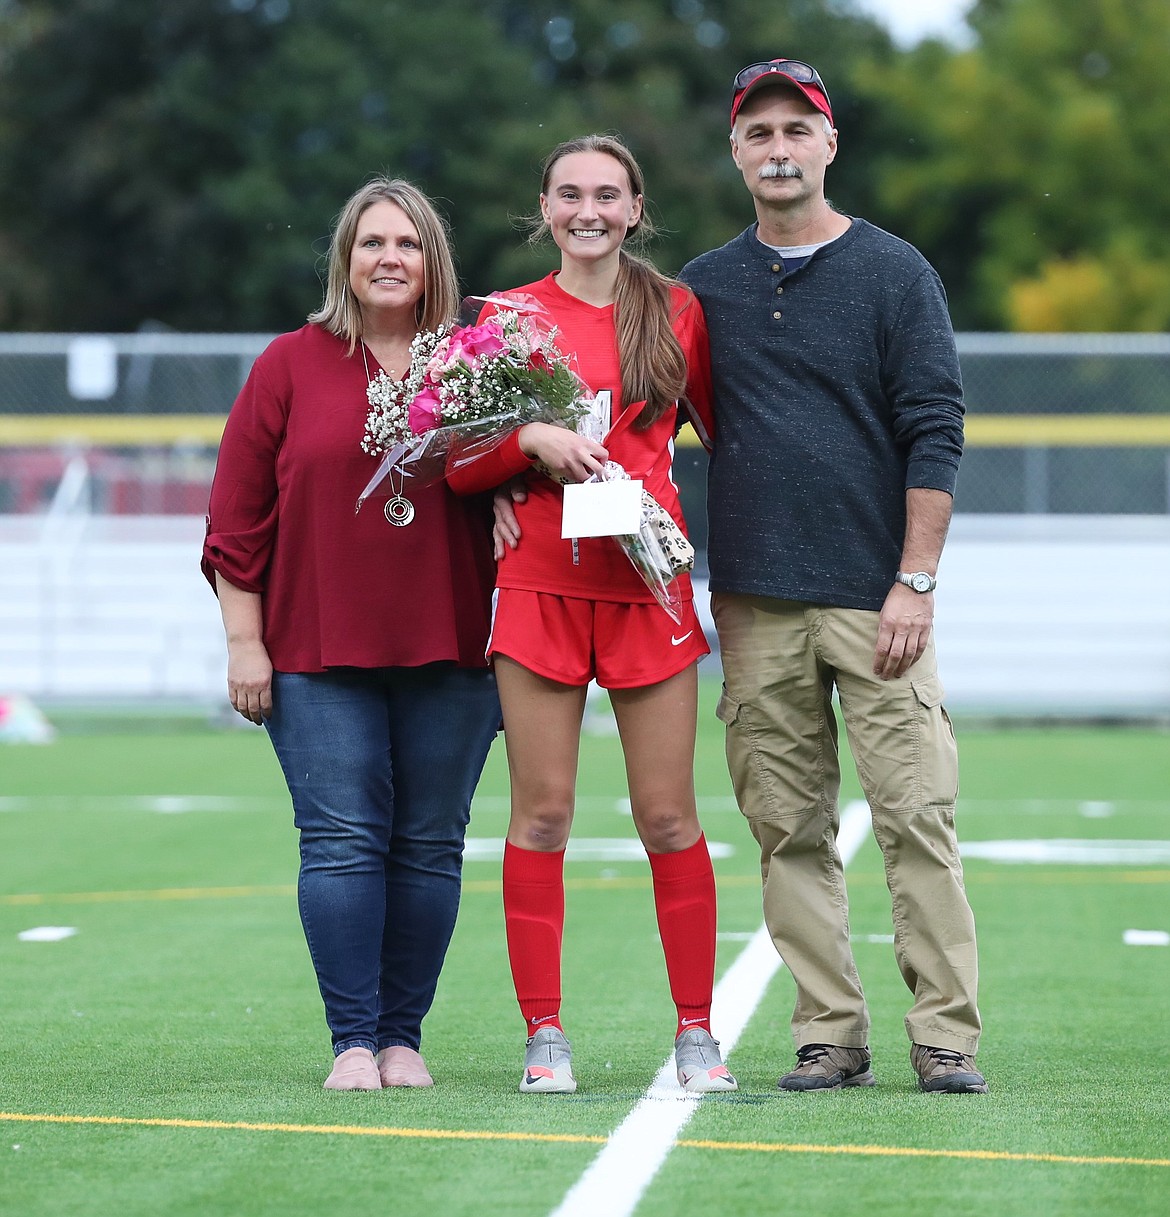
(438, 362)
(479, 341)
(424, 411)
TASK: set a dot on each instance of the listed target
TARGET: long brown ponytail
(653, 366)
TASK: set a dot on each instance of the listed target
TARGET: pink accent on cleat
(700, 1064)
(548, 1067)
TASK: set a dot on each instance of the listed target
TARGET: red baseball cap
(792, 72)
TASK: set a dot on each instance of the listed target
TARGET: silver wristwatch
(919, 581)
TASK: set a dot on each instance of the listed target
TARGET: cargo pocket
(749, 775)
(938, 756)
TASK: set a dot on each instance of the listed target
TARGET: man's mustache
(784, 169)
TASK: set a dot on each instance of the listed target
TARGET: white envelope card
(602, 509)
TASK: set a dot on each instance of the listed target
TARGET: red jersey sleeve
(494, 468)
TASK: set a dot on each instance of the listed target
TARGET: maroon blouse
(339, 589)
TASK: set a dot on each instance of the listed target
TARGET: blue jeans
(381, 765)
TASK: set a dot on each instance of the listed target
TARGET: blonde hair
(340, 313)
(651, 358)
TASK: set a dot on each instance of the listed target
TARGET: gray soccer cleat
(548, 1064)
(700, 1066)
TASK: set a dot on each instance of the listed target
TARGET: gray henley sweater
(836, 388)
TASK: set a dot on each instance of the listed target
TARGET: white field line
(617, 1178)
(583, 849)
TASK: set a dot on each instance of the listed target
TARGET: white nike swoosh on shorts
(674, 642)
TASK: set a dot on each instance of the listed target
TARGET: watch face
(921, 581)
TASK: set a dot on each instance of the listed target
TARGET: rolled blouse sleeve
(243, 512)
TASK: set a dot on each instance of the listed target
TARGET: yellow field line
(618, 883)
(982, 430)
(464, 1134)
(342, 1130)
(909, 1151)
(1020, 872)
(226, 893)
(162, 893)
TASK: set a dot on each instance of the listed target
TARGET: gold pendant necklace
(399, 510)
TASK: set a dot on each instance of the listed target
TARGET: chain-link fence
(124, 424)
(1066, 424)
(128, 424)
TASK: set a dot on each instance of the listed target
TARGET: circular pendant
(399, 511)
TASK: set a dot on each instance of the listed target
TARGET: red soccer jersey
(338, 588)
(595, 568)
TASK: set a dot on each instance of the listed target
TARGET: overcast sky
(911, 20)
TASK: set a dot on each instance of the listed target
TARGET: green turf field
(167, 1058)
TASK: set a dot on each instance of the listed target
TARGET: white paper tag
(601, 509)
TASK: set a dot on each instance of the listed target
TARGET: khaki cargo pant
(781, 662)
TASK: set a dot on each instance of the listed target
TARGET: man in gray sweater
(839, 430)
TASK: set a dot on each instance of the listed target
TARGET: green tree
(1037, 175)
(181, 162)
(659, 73)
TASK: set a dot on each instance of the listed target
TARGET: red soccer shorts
(574, 641)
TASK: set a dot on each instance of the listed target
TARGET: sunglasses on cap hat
(795, 71)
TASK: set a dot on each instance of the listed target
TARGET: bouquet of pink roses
(467, 388)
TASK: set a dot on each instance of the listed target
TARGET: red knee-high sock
(534, 918)
(684, 899)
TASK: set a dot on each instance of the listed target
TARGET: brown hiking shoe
(943, 1071)
(828, 1067)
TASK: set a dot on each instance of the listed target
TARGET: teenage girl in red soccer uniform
(569, 611)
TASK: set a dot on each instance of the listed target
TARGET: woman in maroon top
(358, 639)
